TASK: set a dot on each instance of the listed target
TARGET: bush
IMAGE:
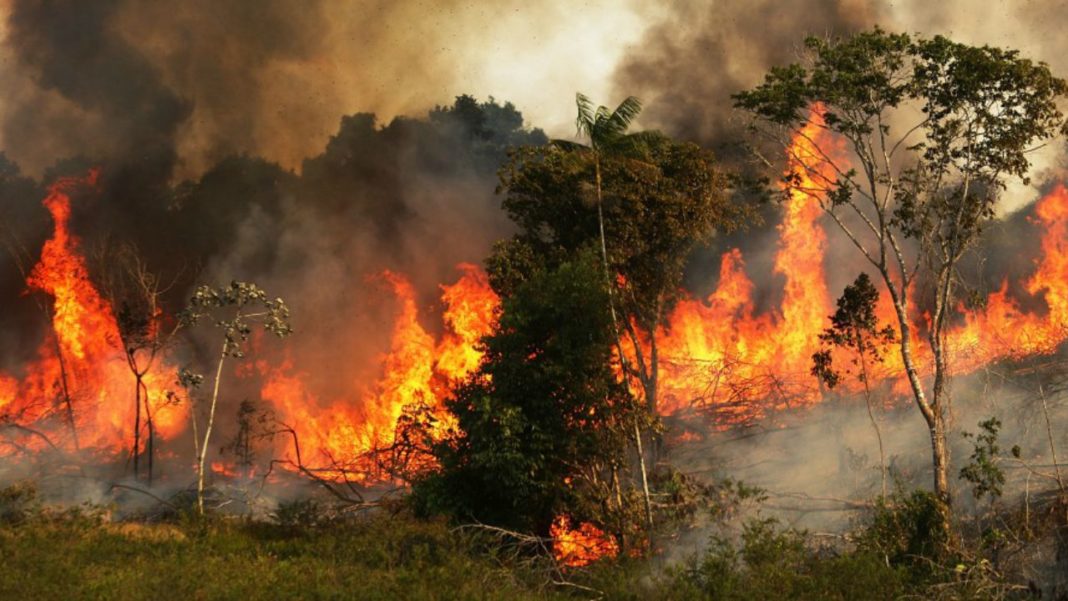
(770, 562)
(908, 531)
(17, 502)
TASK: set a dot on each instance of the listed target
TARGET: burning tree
(235, 309)
(936, 129)
(135, 296)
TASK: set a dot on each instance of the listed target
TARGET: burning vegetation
(536, 397)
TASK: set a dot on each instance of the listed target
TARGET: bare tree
(135, 295)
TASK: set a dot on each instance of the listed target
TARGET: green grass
(74, 557)
(74, 554)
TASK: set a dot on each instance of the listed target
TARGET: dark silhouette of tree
(854, 327)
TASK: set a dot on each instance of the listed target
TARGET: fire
(1001, 329)
(718, 354)
(78, 392)
(575, 548)
(416, 375)
(745, 354)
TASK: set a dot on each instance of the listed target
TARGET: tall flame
(416, 374)
(81, 370)
(719, 355)
(719, 351)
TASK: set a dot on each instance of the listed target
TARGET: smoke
(820, 465)
(688, 65)
(272, 78)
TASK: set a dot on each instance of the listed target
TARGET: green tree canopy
(658, 205)
(934, 129)
(542, 424)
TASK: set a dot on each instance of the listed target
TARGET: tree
(643, 201)
(855, 327)
(135, 295)
(235, 309)
(935, 129)
(542, 427)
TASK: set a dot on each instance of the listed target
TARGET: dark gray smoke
(688, 65)
(73, 49)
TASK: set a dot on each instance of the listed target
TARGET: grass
(78, 557)
(78, 554)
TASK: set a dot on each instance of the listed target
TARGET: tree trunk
(66, 394)
(137, 425)
(619, 349)
(940, 460)
(930, 409)
(207, 432)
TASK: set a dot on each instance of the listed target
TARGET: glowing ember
(581, 546)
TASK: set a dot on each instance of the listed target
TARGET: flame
(719, 355)
(744, 353)
(575, 548)
(81, 363)
(416, 374)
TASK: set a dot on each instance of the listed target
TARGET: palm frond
(585, 120)
(620, 119)
(636, 145)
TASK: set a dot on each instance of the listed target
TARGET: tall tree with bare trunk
(935, 129)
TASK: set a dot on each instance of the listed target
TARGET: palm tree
(606, 132)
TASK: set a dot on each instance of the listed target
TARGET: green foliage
(299, 514)
(908, 531)
(982, 470)
(982, 110)
(771, 562)
(543, 421)
(656, 210)
(854, 326)
(246, 303)
(380, 558)
(17, 502)
(933, 130)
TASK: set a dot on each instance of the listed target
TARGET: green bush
(907, 531)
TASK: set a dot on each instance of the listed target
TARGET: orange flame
(82, 364)
(719, 355)
(416, 373)
(720, 352)
(575, 548)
